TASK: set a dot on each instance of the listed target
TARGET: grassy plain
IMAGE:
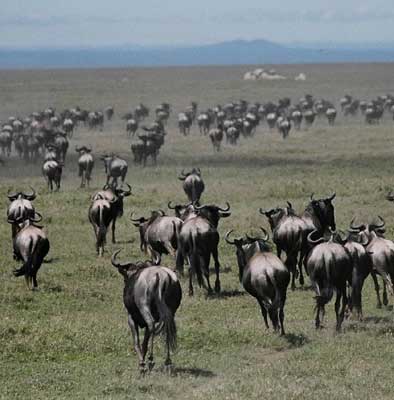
(70, 339)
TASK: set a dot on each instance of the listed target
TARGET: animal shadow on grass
(125, 241)
(296, 340)
(196, 372)
(51, 260)
(377, 320)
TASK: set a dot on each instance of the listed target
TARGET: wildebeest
(85, 164)
(115, 167)
(331, 114)
(288, 231)
(6, 141)
(184, 123)
(361, 267)
(52, 171)
(115, 196)
(148, 145)
(60, 141)
(216, 136)
(20, 208)
(158, 234)
(31, 246)
(152, 295)
(193, 185)
(109, 113)
(382, 256)
(131, 127)
(100, 217)
(309, 117)
(264, 276)
(296, 116)
(284, 126)
(329, 267)
(198, 239)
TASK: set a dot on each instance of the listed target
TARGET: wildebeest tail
(195, 260)
(167, 320)
(324, 288)
(102, 231)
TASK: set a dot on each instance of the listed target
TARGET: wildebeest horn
(226, 238)
(264, 239)
(314, 242)
(34, 219)
(312, 194)
(118, 264)
(343, 239)
(127, 192)
(267, 236)
(332, 197)
(289, 204)
(162, 212)
(170, 206)
(198, 170)
(356, 228)
(225, 210)
(381, 225)
(30, 196)
(134, 220)
(12, 196)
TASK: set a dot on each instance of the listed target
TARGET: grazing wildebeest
(31, 245)
(382, 256)
(264, 276)
(216, 136)
(288, 231)
(198, 239)
(100, 217)
(52, 171)
(193, 185)
(329, 267)
(158, 234)
(20, 208)
(115, 167)
(115, 197)
(232, 135)
(152, 295)
(85, 164)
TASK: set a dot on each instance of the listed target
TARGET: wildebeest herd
(307, 242)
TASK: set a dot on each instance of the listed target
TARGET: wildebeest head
(120, 194)
(143, 223)
(21, 221)
(246, 247)
(182, 211)
(364, 231)
(323, 209)
(129, 268)
(213, 213)
(184, 175)
(83, 149)
(28, 196)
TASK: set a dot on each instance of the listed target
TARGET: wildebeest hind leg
(137, 346)
(377, 289)
(217, 269)
(264, 313)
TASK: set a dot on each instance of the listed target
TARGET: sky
(98, 23)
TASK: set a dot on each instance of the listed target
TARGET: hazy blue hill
(232, 52)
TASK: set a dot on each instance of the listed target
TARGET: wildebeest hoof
(143, 369)
(385, 299)
(302, 280)
(168, 368)
(217, 287)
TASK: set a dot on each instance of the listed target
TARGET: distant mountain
(226, 53)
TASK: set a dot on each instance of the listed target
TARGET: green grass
(70, 339)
